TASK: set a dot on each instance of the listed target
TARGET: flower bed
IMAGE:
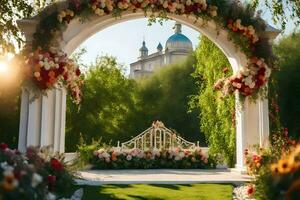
(117, 158)
(33, 175)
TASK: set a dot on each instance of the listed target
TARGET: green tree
(288, 83)
(108, 99)
(10, 12)
(281, 10)
(165, 96)
(216, 113)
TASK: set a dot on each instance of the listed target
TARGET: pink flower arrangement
(118, 158)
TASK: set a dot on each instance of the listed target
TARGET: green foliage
(85, 151)
(117, 108)
(216, 113)
(288, 83)
(281, 10)
(165, 96)
(10, 12)
(108, 99)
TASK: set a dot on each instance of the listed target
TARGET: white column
(42, 121)
(264, 127)
(252, 128)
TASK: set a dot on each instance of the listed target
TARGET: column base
(240, 169)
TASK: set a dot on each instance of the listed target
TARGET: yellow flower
(285, 166)
(274, 168)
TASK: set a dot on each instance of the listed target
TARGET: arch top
(63, 26)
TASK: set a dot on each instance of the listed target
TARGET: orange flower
(9, 183)
(285, 166)
(52, 80)
(51, 74)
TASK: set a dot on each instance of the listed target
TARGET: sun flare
(3, 68)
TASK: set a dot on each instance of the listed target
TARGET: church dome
(178, 41)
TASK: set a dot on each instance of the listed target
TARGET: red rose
(3, 146)
(250, 190)
(78, 72)
(56, 164)
(66, 77)
(51, 179)
(286, 132)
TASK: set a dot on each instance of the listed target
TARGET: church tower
(143, 50)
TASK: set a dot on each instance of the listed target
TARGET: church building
(177, 47)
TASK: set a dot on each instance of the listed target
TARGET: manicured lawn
(158, 192)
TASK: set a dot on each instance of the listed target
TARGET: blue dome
(178, 37)
(178, 41)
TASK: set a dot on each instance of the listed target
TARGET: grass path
(158, 192)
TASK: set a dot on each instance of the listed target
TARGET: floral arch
(58, 30)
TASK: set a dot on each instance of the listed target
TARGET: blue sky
(123, 40)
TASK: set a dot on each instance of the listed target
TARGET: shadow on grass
(144, 198)
(173, 187)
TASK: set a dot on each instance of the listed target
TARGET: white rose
(51, 63)
(47, 66)
(252, 85)
(36, 180)
(128, 157)
(99, 12)
(50, 196)
(166, 4)
(41, 63)
(41, 57)
(37, 74)
(188, 2)
(177, 158)
(245, 71)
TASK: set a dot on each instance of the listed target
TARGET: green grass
(158, 192)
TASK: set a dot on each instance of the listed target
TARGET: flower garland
(247, 81)
(49, 69)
